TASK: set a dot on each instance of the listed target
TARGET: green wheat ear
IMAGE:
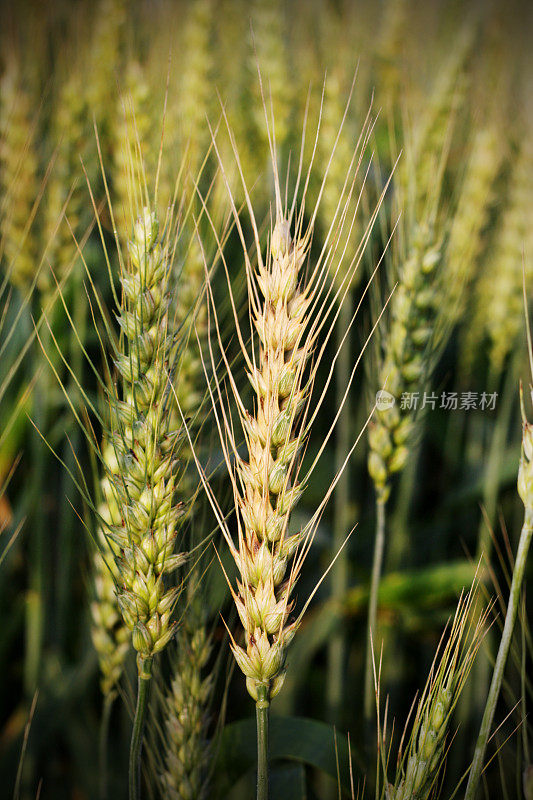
(19, 184)
(65, 193)
(413, 311)
(270, 54)
(130, 133)
(143, 472)
(423, 762)
(186, 746)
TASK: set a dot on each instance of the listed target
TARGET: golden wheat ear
(292, 305)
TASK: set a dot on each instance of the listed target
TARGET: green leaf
(287, 782)
(297, 739)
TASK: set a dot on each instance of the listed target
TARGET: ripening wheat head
(292, 306)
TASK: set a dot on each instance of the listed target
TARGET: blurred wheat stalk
(148, 75)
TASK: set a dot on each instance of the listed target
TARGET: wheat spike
(405, 362)
(18, 174)
(145, 447)
(424, 760)
(130, 134)
(186, 746)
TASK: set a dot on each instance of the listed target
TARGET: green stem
(505, 643)
(38, 545)
(379, 546)
(341, 512)
(398, 549)
(143, 690)
(103, 743)
(262, 708)
(492, 476)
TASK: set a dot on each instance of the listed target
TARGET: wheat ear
(287, 315)
(130, 130)
(64, 196)
(18, 176)
(502, 280)
(186, 746)
(270, 54)
(413, 312)
(419, 769)
(470, 218)
(142, 473)
(145, 448)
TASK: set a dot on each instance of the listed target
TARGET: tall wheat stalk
(409, 350)
(142, 471)
(287, 315)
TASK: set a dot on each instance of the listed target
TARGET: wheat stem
(501, 659)
(36, 598)
(109, 699)
(379, 546)
(143, 691)
(262, 707)
(499, 432)
(525, 490)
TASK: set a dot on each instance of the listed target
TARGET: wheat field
(266, 487)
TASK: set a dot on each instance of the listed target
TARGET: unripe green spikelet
(471, 215)
(104, 59)
(195, 88)
(427, 750)
(503, 277)
(143, 473)
(263, 599)
(341, 152)
(419, 767)
(185, 743)
(111, 637)
(272, 58)
(18, 175)
(405, 362)
(66, 182)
